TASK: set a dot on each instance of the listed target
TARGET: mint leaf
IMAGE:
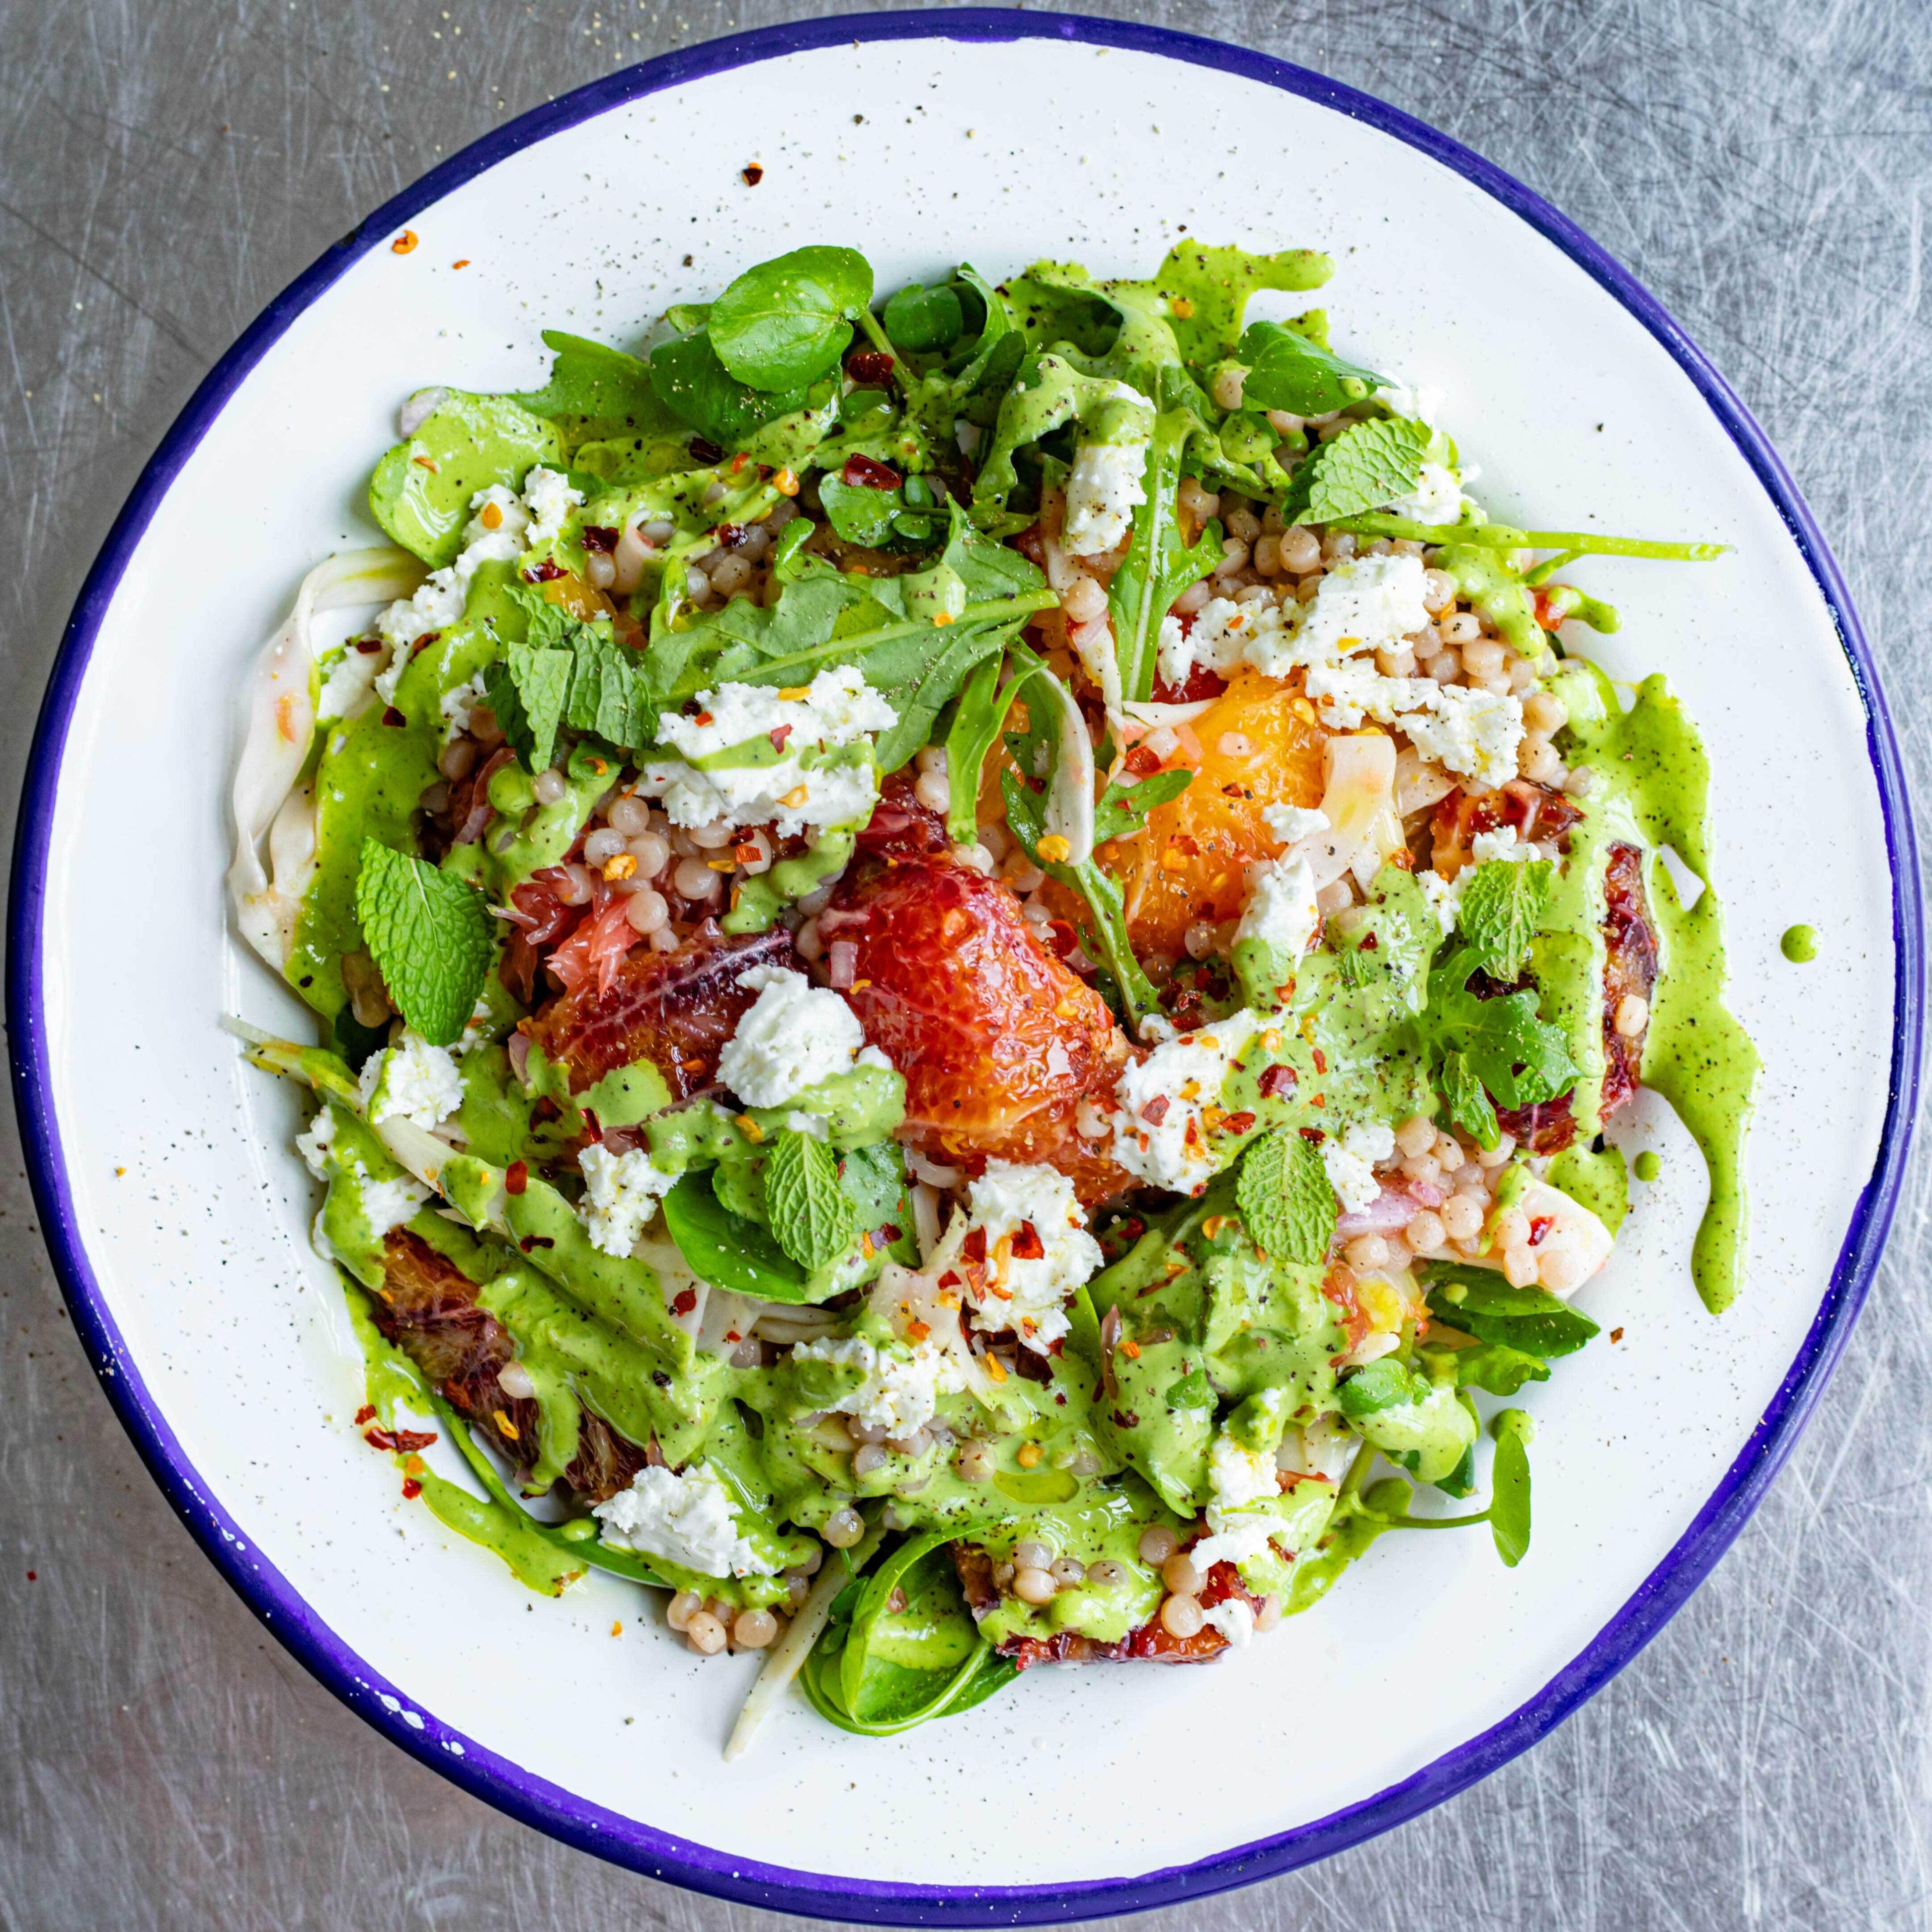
(1502, 906)
(1370, 465)
(527, 692)
(1469, 1107)
(1287, 371)
(607, 691)
(429, 934)
(1497, 1044)
(812, 1218)
(1286, 1199)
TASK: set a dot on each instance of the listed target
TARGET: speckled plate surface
(178, 1215)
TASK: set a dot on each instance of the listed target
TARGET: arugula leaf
(811, 1217)
(965, 648)
(1497, 1367)
(700, 392)
(1287, 371)
(1370, 465)
(976, 726)
(526, 690)
(1158, 566)
(430, 936)
(1502, 907)
(1285, 1198)
(1123, 809)
(1480, 1303)
(785, 322)
(924, 320)
(1509, 1486)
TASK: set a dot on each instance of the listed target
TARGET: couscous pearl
(1243, 522)
(1462, 1216)
(1106, 1575)
(1543, 712)
(651, 851)
(1448, 1152)
(1068, 1573)
(867, 1457)
(602, 846)
(1032, 1556)
(933, 790)
(1417, 1134)
(1439, 591)
(754, 1629)
(1181, 1616)
(1301, 551)
(1157, 1543)
(705, 1634)
(975, 1461)
(1424, 1233)
(1179, 1573)
(1366, 1251)
(1560, 1270)
(683, 1608)
(695, 880)
(1632, 1015)
(843, 1529)
(1496, 1155)
(1519, 1268)
(1512, 1228)
(1034, 1586)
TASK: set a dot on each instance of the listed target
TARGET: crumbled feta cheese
(809, 786)
(1026, 1279)
(1235, 1539)
(621, 1193)
(1240, 1476)
(902, 1386)
(1233, 1617)
(550, 499)
(437, 604)
(388, 1204)
(1350, 1162)
(1416, 404)
(1470, 731)
(1291, 824)
(1281, 911)
(1369, 603)
(1159, 1134)
(506, 532)
(314, 1145)
(794, 1035)
(1506, 844)
(413, 1080)
(458, 703)
(1445, 897)
(1103, 490)
(1437, 497)
(690, 1519)
(1216, 637)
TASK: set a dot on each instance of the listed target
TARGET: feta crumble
(1445, 897)
(1167, 1145)
(1017, 1288)
(809, 786)
(1281, 911)
(1350, 1163)
(1291, 824)
(1217, 637)
(314, 1145)
(1233, 1617)
(1470, 731)
(621, 1193)
(456, 704)
(1103, 490)
(1239, 1476)
(902, 1386)
(1437, 497)
(411, 1081)
(1506, 844)
(794, 1035)
(1367, 603)
(548, 497)
(690, 1519)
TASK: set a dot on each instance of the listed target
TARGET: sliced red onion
(842, 963)
(1390, 1211)
(519, 1051)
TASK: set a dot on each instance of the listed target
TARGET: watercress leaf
(1285, 1198)
(1497, 1367)
(1480, 1303)
(786, 321)
(701, 393)
(811, 1217)
(430, 935)
(1383, 1385)
(589, 380)
(1509, 1486)
(527, 689)
(923, 321)
(1365, 467)
(857, 511)
(1287, 371)
(1502, 907)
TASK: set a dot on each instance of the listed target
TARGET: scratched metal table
(165, 167)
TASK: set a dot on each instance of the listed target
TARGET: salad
(970, 954)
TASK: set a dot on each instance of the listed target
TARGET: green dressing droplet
(1647, 1166)
(1799, 944)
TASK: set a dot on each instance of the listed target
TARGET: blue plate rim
(546, 1807)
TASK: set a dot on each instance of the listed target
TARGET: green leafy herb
(977, 725)
(1470, 1107)
(1509, 1486)
(730, 1250)
(787, 321)
(1503, 536)
(1480, 1303)
(1383, 1385)
(1159, 564)
(1286, 370)
(859, 512)
(1502, 907)
(921, 321)
(1373, 463)
(1489, 1047)
(1285, 1198)
(701, 393)
(527, 690)
(1498, 1368)
(811, 1217)
(429, 934)
(588, 379)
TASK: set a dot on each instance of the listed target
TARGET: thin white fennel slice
(783, 1659)
(1069, 802)
(281, 723)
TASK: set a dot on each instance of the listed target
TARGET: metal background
(166, 167)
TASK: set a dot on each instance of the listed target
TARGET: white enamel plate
(178, 1215)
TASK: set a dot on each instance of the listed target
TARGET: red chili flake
(948, 1279)
(402, 1442)
(592, 1130)
(1155, 1111)
(1141, 762)
(366, 1413)
(1314, 1134)
(1616, 1334)
(1369, 944)
(411, 1489)
(1321, 1061)
(703, 718)
(684, 1301)
(1277, 1083)
(1027, 1246)
(778, 734)
(974, 1249)
(889, 1233)
(752, 174)
(864, 472)
(1183, 843)
(600, 537)
(704, 452)
(392, 716)
(545, 572)
(545, 1111)
(869, 368)
(1133, 1228)
(33, 1575)
(1237, 1123)
(731, 535)
(530, 1241)
(1061, 936)
(1540, 1226)
(423, 643)
(368, 646)
(516, 1176)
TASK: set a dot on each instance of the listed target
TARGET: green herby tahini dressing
(1653, 780)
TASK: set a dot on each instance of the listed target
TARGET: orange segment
(1190, 863)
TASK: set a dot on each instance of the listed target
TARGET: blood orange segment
(1260, 745)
